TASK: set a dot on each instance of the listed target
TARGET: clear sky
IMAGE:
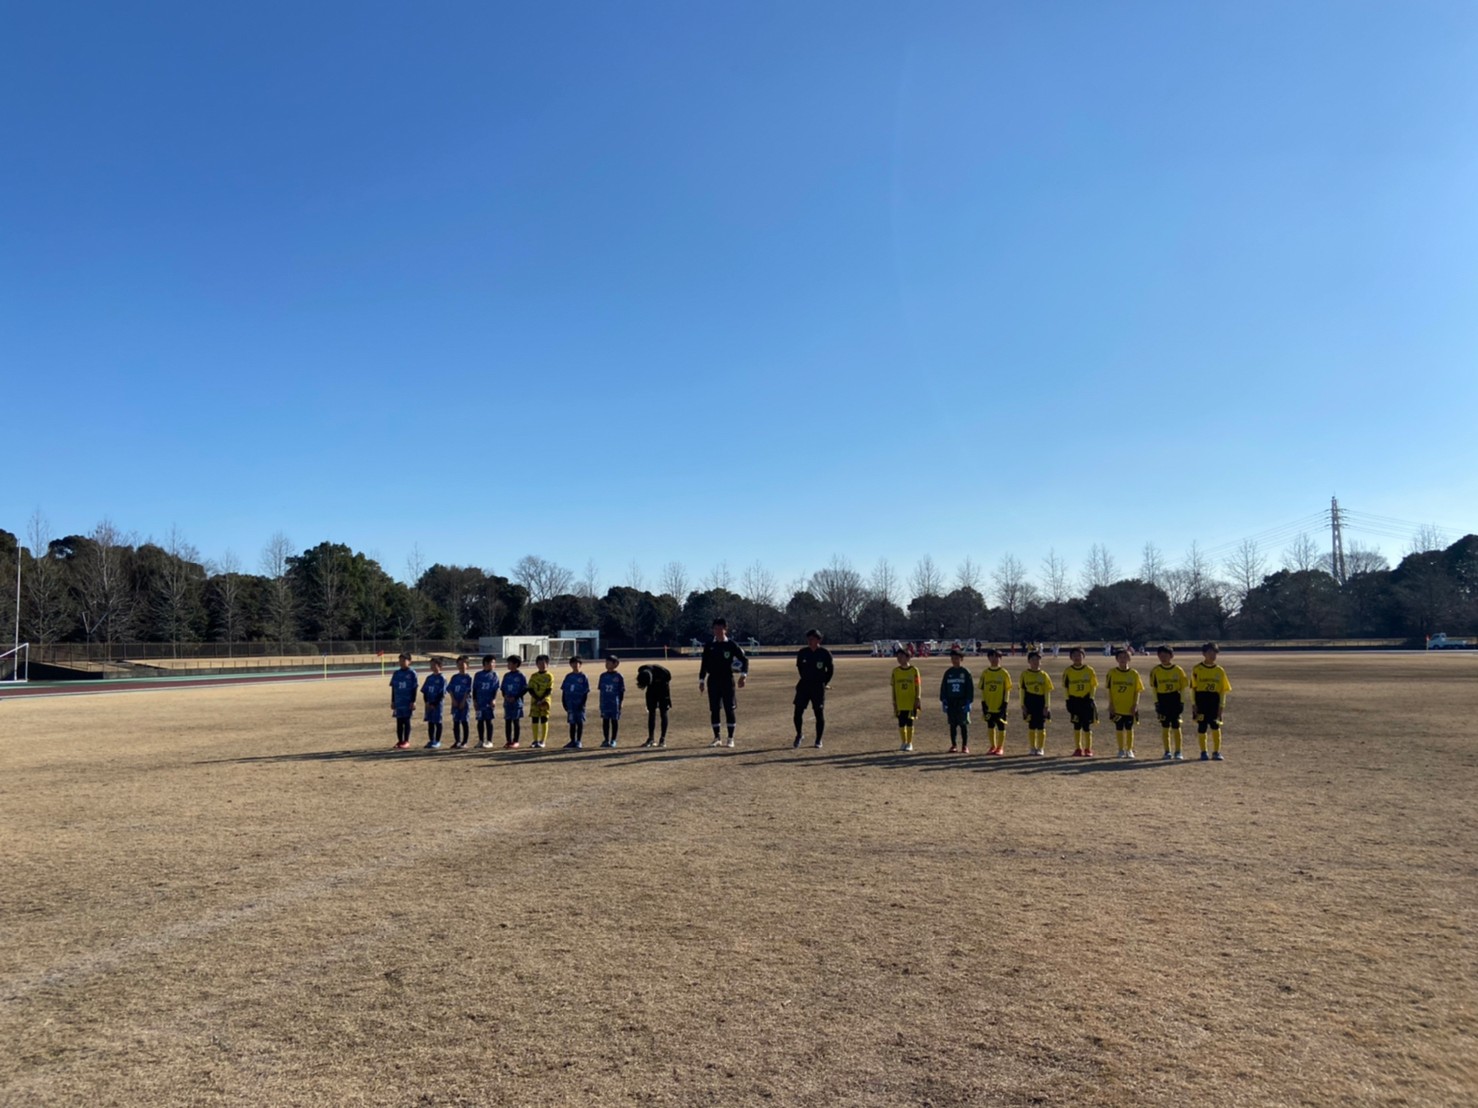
(751, 281)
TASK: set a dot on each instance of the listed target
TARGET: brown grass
(241, 896)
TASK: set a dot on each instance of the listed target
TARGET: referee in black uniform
(813, 663)
(722, 659)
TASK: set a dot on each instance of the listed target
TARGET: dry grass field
(243, 896)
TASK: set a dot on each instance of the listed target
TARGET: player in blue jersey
(484, 694)
(433, 689)
(956, 694)
(515, 686)
(612, 688)
(573, 692)
(404, 685)
(459, 688)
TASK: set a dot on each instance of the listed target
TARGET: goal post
(15, 665)
(562, 650)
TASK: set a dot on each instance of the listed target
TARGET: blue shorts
(485, 714)
(459, 715)
(433, 715)
(513, 709)
(575, 715)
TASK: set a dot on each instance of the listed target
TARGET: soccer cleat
(650, 742)
(964, 750)
(1078, 753)
(661, 743)
(433, 745)
(817, 744)
(1168, 757)
(1205, 757)
(954, 749)
(1087, 753)
(511, 744)
(797, 744)
(1129, 754)
(486, 744)
(402, 745)
(1179, 757)
(716, 742)
(908, 747)
(729, 744)
(1217, 757)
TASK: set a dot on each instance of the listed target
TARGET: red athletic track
(165, 684)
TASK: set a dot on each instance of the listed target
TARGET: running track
(166, 684)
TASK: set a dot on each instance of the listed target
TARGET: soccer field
(243, 896)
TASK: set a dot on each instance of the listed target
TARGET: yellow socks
(1165, 734)
(1216, 742)
(1202, 738)
(1129, 740)
(1175, 738)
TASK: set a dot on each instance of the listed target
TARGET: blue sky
(763, 281)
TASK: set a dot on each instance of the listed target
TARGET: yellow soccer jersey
(1124, 686)
(1079, 680)
(541, 685)
(995, 683)
(1168, 679)
(1206, 678)
(1035, 682)
(908, 688)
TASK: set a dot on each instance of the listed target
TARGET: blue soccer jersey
(612, 691)
(432, 690)
(485, 692)
(404, 684)
(515, 685)
(573, 692)
(457, 688)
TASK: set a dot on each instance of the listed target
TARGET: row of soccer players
(469, 693)
(1207, 684)
(724, 661)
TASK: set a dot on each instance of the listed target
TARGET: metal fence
(119, 652)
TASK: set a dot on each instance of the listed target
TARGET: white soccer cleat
(730, 743)
(716, 742)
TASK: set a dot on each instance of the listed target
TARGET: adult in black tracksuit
(813, 663)
(657, 680)
(722, 660)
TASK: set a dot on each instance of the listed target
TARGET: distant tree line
(108, 586)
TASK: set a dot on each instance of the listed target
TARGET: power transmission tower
(1337, 543)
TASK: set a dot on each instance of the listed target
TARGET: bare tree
(675, 581)
(927, 584)
(1362, 559)
(719, 577)
(1100, 570)
(45, 585)
(758, 587)
(1427, 538)
(968, 574)
(105, 595)
(226, 581)
(884, 582)
(1245, 568)
(1301, 555)
(415, 570)
(281, 606)
(178, 599)
(635, 578)
(1013, 591)
(1151, 564)
(1055, 584)
(1197, 569)
(842, 594)
(543, 578)
(589, 583)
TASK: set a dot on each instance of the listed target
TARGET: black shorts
(810, 697)
(1124, 722)
(659, 700)
(1169, 707)
(996, 721)
(957, 714)
(1083, 712)
(1208, 709)
(906, 719)
(1034, 710)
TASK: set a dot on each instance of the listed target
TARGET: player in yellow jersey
(1124, 687)
(541, 689)
(1168, 682)
(1209, 687)
(1036, 709)
(1079, 681)
(995, 693)
(908, 697)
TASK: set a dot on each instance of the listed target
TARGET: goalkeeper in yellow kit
(908, 697)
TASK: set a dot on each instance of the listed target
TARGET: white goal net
(15, 665)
